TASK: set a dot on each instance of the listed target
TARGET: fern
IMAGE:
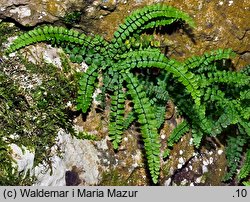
(52, 34)
(146, 118)
(177, 133)
(175, 136)
(129, 119)
(145, 18)
(197, 137)
(86, 89)
(117, 115)
(225, 77)
(202, 64)
(245, 170)
(245, 95)
(147, 59)
(208, 96)
(246, 183)
(233, 152)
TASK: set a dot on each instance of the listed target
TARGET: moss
(11, 177)
(166, 169)
(113, 178)
(32, 116)
(10, 102)
(73, 17)
(6, 29)
(119, 177)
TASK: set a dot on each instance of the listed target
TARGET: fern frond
(246, 114)
(160, 113)
(148, 17)
(177, 133)
(229, 116)
(224, 111)
(227, 77)
(197, 137)
(233, 154)
(157, 93)
(48, 34)
(158, 23)
(56, 35)
(129, 118)
(245, 95)
(146, 118)
(87, 84)
(140, 42)
(246, 183)
(212, 94)
(246, 70)
(246, 126)
(204, 62)
(116, 127)
(245, 169)
(149, 59)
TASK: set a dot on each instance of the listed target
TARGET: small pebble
(181, 160)
(220, 151)
(198, 180)
(167, 182)
(205, 162)
(211, 160)
(179, 166)
(204, 169)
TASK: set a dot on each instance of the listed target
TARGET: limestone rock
(30, 13)
(219, 24)
(80, 157)
(24, 159)
(77, 156)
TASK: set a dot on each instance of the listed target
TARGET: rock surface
(219, 24)
(24, 158)
(79, 156)
(32, 12)
(70, 155)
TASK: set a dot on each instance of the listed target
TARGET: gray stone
(75, 153)
(81, 156)
(32, 12)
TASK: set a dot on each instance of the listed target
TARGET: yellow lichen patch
(54, 7)
(219, 24)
